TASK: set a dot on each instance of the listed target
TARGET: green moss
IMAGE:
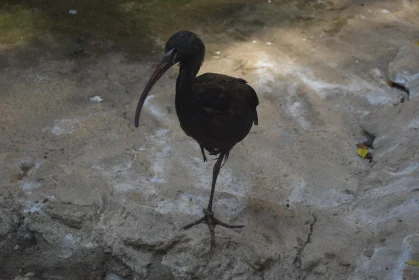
(18, 22)
(128, 23)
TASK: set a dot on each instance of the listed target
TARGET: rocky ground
(85, 195)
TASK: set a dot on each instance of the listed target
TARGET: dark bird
(216, 110)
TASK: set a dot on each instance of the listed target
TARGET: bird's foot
(212, 222)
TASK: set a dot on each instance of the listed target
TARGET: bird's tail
(256, 119)
(215, 152)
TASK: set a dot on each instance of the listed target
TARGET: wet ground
(82, 188)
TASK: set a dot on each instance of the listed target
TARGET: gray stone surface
(404, 70)
(85, 195)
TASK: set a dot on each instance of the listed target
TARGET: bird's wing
(223, 110)
(223, 96)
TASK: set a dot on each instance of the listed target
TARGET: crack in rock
(297, 260)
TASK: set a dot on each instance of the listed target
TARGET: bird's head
(184, 47)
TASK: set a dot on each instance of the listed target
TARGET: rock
(393, 181)
(21, 278)
(25, 239)
(404, 70)
(360, 277)
(158, 271)
(145, 228)
(119, 268)
(7, 223)
(70, 214)
(320, 269)
(112, 276)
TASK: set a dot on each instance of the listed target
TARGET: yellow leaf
(414, 263)
(362, 152)
(417, 42)
(362, 146)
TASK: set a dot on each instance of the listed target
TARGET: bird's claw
(208, 213)
(212, 222)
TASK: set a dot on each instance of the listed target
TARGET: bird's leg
(209, 218)
(203, 152)
(215, 172)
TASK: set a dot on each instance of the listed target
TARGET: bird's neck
(187, 75)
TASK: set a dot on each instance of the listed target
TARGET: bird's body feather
(220, 111)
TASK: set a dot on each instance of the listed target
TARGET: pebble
(96, 99)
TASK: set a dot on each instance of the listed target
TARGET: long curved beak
(165, 64)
